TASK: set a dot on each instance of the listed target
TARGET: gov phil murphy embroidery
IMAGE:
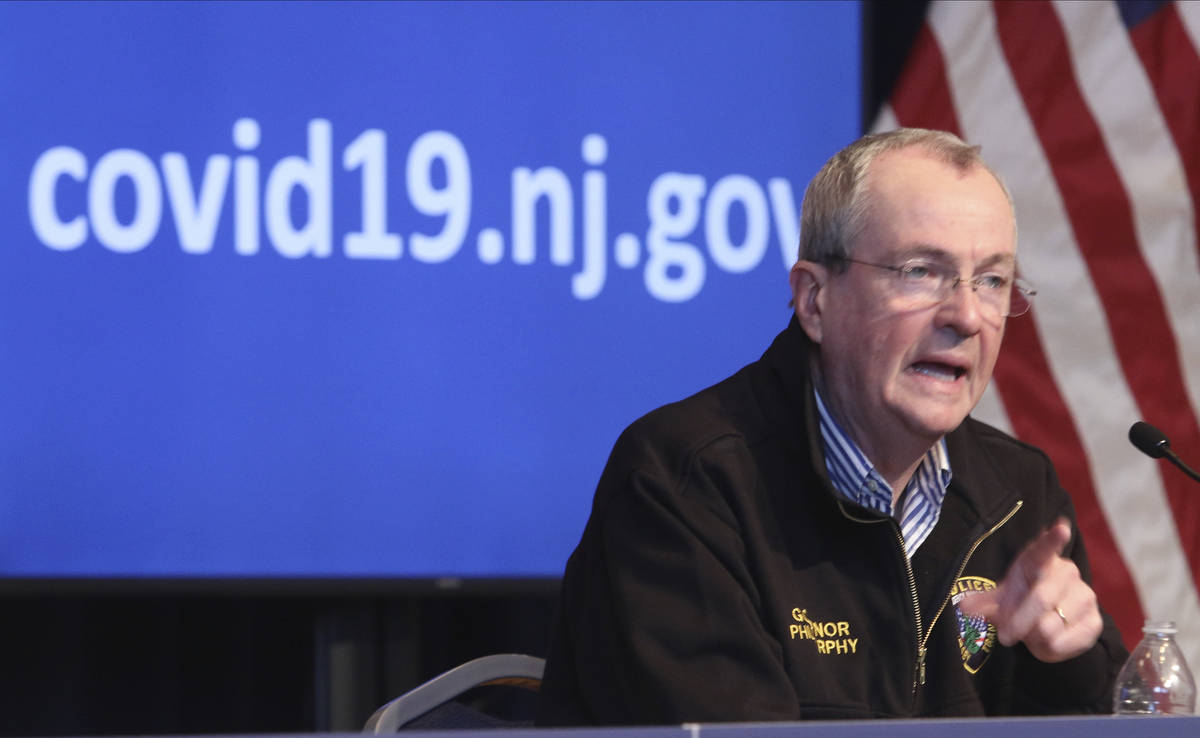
(831, 637)
(976, 636)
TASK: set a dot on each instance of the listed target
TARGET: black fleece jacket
(720, 578)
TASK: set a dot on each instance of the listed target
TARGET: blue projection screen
(369, 290)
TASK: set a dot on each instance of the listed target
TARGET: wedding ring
(1063, 617)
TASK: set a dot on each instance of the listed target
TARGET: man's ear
(807, 278)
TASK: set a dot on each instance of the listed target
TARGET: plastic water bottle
(1156, 679)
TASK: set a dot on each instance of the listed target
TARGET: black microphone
(1149, 440)
(1153, 442)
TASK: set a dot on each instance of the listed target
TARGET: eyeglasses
(925, 284)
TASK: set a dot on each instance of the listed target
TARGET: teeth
(937, 371)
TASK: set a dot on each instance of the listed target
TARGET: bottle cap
(1160, 626)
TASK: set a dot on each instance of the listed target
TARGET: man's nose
(964, 308)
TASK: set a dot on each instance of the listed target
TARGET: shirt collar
(855, 478)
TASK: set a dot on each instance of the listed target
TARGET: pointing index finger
(982, 604)
(1045, 548)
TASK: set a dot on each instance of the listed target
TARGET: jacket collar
(789, 357)
(976, 476)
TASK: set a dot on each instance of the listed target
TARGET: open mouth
(938, 370)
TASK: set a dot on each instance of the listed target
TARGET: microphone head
(1149, 440)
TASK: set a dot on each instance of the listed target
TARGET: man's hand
(1042, 601)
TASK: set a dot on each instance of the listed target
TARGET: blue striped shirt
(855, 478)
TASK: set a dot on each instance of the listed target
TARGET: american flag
(1090, 111)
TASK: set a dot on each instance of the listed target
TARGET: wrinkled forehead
(927, 205)
(955, 165)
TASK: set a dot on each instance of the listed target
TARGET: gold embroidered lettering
(829, 637)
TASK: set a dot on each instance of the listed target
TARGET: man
(826, 534)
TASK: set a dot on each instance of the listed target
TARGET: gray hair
(836, 201)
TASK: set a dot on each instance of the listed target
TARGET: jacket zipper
(922, 648)
(919, 670)
(923, 641)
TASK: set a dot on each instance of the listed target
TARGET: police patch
(976, 636)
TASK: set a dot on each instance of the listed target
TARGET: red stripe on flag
(1173, 66)
(923, 98)
(1040, 416)
(1102, 220)
(1034, 404)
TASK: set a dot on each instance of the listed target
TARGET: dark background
(132, 657)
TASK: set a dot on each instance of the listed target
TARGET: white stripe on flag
(886, 120)
(1123, 103)
(1189, 13)
(1069, 315)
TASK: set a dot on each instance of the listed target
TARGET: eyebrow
(934, 253)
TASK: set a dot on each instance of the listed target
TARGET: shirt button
(872, 486)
